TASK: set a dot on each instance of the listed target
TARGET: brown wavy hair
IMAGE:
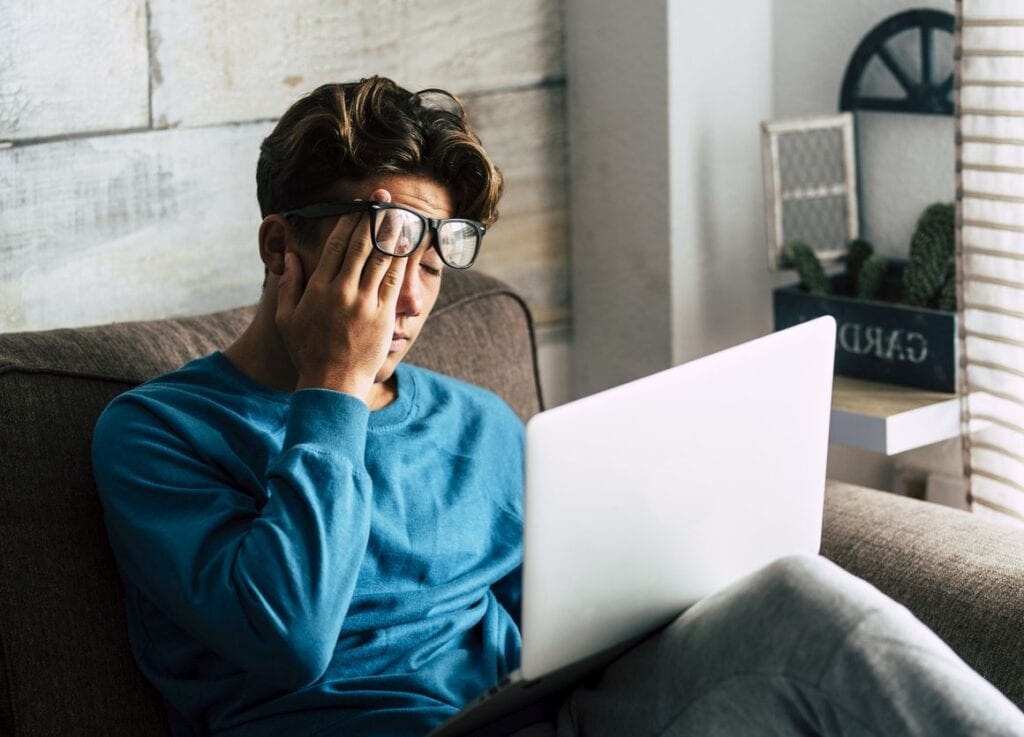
(362, 129)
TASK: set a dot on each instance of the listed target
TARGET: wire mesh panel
(810, 185)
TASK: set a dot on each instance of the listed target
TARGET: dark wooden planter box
(880, 341)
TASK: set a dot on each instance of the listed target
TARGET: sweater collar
(397, 413)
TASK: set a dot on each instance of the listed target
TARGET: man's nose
(411, 295)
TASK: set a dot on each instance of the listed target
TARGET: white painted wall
(668, 254)
(620, 223)
(720, 72)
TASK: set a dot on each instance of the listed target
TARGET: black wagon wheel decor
(922, 93)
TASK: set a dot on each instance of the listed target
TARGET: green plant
(871, 277)
(857, 252)
(947, 299)
(930, 276)
(801, 257)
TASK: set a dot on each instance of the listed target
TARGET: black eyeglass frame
(332, 209)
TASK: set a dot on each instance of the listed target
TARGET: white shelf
(889, 419)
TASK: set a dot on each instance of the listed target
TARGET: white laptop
(643, 499)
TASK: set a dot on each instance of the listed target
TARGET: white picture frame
(781, 197)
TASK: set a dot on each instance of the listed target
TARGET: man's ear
(275, 236)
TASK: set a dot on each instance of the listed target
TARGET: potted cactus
(896, 319)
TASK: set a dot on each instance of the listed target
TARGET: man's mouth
(398, 342)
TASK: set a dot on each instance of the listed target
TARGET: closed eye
(432, 270)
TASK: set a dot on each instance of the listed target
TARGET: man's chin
(388, 369)
(386, 372)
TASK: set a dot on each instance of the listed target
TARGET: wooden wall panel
(128, 227)
(233, 61)
(525, 134)
(70, 67)
(102, 218)
(164, 222)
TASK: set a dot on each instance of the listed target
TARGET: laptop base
(510, 706)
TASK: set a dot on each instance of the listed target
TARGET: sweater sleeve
(267, 588)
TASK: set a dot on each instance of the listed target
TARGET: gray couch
(65, 666)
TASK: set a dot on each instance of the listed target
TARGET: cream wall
(664, 137)
(667, 226)
(127, 160)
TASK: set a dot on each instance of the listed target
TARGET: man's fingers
(402, 246)
(289, 286)
(336, 247)
(376, 266)
(390, 227)
(360, 246)
(391, 282)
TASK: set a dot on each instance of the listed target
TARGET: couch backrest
(65, 664)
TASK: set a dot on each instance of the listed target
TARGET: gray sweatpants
(799, 648)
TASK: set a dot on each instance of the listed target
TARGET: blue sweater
(294, 564)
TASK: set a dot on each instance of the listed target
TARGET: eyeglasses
(398, 231)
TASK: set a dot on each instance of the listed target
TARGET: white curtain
(990, 250)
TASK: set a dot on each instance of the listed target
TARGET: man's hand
(338, 330)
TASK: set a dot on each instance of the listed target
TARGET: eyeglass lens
(457, 243)
(398, 232)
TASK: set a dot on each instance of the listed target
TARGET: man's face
(423, 271)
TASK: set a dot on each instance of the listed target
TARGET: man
(316, 538)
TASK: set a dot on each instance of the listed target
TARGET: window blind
(989, 83)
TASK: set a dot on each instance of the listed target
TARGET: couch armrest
(962, 575)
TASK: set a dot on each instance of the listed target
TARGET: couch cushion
(66, 662)
(66, 665)
(480, 331)
(960, 574)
